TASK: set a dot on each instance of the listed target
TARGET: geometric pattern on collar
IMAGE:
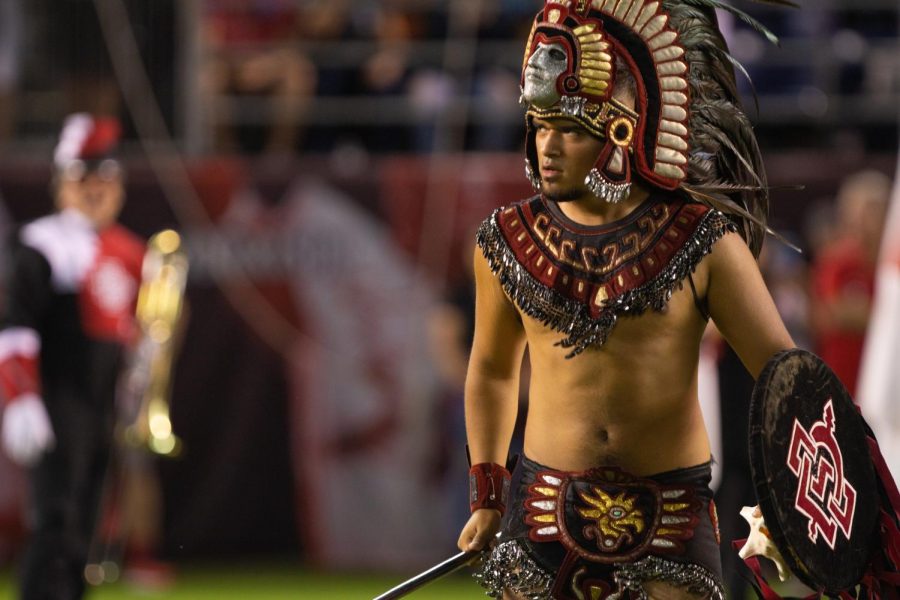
(578, 279)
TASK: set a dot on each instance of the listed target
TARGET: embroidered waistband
(607, 515)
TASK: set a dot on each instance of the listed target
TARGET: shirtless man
(609, 280)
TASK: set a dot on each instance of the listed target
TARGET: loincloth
(602, 533)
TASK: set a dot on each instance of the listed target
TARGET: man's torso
(629, 397)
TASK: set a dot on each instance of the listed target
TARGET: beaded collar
(579, 279)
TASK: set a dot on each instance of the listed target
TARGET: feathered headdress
(686, 128)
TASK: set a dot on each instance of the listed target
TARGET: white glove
(759, 543)
(26, 431)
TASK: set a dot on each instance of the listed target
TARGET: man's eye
(557, 54)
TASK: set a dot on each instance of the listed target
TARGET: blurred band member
(843, 275)
(73, 284)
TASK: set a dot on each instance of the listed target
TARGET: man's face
(99, 198)
(545, 65)
(566, 153)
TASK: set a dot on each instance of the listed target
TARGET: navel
(603, 435)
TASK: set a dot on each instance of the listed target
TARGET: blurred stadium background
(326, 162)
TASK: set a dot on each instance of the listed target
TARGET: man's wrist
(488, 487)
(19, 371)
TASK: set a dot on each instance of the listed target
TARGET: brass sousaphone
(144, 428)
(159, 310)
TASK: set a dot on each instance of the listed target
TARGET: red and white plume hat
(87, 143)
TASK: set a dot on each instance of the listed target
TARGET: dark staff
(451, 565)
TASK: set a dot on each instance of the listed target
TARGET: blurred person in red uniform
(843, 274)
(69, 314)
(250, 51)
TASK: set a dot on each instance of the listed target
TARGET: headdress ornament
(685, 128)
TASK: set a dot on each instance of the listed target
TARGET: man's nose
(552, 143)
(533, 59)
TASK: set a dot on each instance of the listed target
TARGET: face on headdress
(571, 70)
(548, 61)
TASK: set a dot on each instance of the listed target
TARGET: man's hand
(26, 432)
(480, 530)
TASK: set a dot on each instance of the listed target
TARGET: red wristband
(18, 376)
(488, 487)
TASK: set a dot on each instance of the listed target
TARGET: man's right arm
(492, 389)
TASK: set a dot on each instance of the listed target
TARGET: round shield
(811, 468)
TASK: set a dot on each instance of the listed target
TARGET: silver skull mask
(544, 66)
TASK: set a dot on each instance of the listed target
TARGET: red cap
(86, 137)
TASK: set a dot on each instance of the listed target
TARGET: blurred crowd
(279, 76)
(282, 75)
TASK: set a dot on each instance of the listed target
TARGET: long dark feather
(759, 27)
(725, 204)
(723, 187)
(730, 207)
(737, 65)
(725, 168)
(722, 116)
(780, 3)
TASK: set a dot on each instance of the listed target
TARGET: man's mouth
(550, 172)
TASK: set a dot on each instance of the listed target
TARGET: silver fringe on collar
(572, 318)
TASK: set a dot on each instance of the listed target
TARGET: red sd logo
(815, 458)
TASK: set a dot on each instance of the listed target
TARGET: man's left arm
(743, 310)
(741, 306)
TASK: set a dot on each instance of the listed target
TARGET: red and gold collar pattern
(579, 279)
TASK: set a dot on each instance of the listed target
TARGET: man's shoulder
(512, 206)
(493, 225)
